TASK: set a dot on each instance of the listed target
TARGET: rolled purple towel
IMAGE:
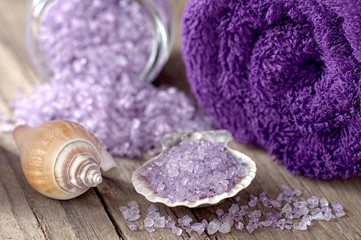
(281, 74)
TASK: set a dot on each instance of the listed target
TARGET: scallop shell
(143, 187)
(61, 159)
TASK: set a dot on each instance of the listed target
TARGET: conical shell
(61, 159)
(143, 187)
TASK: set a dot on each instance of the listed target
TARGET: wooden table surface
(25, 214)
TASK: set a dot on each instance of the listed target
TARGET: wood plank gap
(43, 228)
(119, 232)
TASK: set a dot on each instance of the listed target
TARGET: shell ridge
(77, 140)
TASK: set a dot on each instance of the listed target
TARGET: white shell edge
(142, 186)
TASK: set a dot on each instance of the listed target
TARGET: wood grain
(25, 214)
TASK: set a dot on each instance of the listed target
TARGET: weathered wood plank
(80, 218)
(17, 219)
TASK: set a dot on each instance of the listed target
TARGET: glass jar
(135, 36)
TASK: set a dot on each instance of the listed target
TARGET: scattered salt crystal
(300, 226)
(276, 204)
(280, 197)
(239, 226)
(159, 222)
(213, 226)
(251, 226)
(188, 229)
(323, 202)
(315, 211)
(152, 208)
(225, 227)
(134, 217)
(205, 222)
(340, 213)
(300, 204)
(169, 223)
(148, 222)
(233, 209)
(256, 214)
(273, 216)
(123, 208)
(237, 198)
(262, 196)
(327, 215)
(318, 216)
(307, 219)
(127, 213)
(185, 220)
(297, 192)
(198, 227)
(132, 227)
(336, 206)
(267, 223)
(219, 212)
(286, 209)
(153, 215)
(177, 231)
(133, 204)
(290, 215)
(150, 229)
(253, 201)
(280, 223)
(312, 202)
(192, 238)
(303, 211)
(288, 224)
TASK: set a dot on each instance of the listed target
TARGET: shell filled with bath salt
(222, 137)
(61, 159)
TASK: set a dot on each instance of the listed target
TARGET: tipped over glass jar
(88, 38)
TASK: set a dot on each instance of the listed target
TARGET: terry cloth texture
(281, 74)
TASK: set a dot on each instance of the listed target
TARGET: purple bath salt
(180, 174)
(336, 206)
(96, 51)
(198, 227)
(213, 226)
(159, 222)
(177, 231)
(239, 226)
(258, 216)
(132, 212)
(312, 202)
(219, 212)
(233, 209)
(148, 222)
(169, 223)
(185, 221)
(133, 227)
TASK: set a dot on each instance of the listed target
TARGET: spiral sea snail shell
(61, 159)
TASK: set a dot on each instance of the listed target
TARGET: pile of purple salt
(96, 50)
(179, 174)
(287, 211)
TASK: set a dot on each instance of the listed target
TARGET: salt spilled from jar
(132, 36)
